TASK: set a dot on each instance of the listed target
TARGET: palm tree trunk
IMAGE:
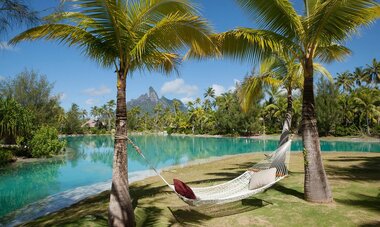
(367, 119)
(109, 123)
(120, 207)
(316, 186)
(288, 119)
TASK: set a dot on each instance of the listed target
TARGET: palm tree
(345, 106)
(367, 104)
(273, 72)
(127, 36)
(209, 93)
(316, 34)
(345, 80)
(373, 71)
(158, 112)
(190, 105)
(197, 102)
(360, 76)
(225, 101)
(83, 114)
(176, 105)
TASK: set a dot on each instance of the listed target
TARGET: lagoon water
(88, 161)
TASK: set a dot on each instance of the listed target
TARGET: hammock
(237, 189)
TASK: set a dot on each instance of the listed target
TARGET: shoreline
(261, 137)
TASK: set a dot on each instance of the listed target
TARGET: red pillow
(184, 190)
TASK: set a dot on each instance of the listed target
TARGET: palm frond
(157, 61)
(323, 71)
(275, 15)
(249, 92)
(71, 36)
(252, 89)
(246, 44)
(334, 20)
(333, 52)
(173, 33)
(147, 11)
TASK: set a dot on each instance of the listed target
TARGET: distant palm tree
(83, 114)
(318, 33)
(108, 112)
(346, 107)
(367, 104)
(345, 80)
(225, 101)
(373, 71)
(190, 105)
(127, 36)
(209, 93)
(176, 105)
(360, 76)
(197, 102)
(273, 72)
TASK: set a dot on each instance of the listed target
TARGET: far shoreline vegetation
(33, 118)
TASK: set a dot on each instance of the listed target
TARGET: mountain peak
(148, 101)
(153, 95)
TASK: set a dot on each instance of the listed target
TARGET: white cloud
(103, 90)
(62, 96)
(6, 46)
(219, 89)
(178, 86)
(187, 99)
(233, 87)
(91, 102)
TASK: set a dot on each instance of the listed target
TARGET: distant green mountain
(148, 101)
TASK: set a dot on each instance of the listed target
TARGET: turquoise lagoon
(88, 161)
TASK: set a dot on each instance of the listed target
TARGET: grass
(354, 177)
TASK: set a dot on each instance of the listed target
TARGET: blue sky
(82, 81)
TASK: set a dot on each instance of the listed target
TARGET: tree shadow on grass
(362, 168)
(288, 191)
(148, 216)
(242, 166)
(371, 224)
(197, 215)
(147, 190)
(364, 201)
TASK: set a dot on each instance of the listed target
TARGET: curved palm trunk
(120, 207)
(367, 119)
(316, 186)
(288, 119)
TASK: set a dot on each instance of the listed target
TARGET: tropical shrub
(326, 103)
(35, 93)
(45, 142)
(6, 156)
(15, 121)
(346, 130)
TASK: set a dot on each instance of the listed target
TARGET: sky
(80, 80)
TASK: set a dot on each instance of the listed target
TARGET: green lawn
(355, 179)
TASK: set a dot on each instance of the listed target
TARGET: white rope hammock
(237, 188)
